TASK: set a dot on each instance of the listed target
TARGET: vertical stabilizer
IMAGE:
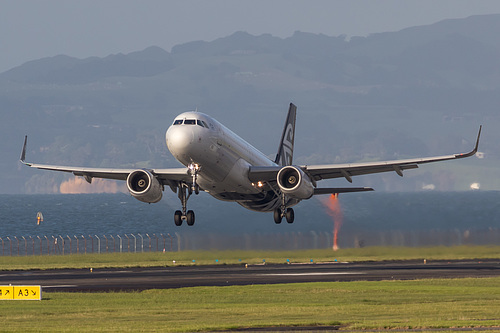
(285, 149)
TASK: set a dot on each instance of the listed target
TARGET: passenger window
(190, 122)
(178, 122)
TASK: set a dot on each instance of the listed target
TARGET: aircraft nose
(178, 139)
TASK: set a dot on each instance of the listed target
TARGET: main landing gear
(288, 213)
(184, 192)
(283, 212)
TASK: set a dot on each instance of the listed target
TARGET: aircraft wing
(347, 171)
(167, 176)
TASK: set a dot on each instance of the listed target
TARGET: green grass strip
(150, 259)
(423, 304)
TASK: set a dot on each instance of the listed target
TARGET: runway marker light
(216, 260)
(194, 260)
(91, 269)
(312, 261)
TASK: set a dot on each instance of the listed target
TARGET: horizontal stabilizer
(334, 190)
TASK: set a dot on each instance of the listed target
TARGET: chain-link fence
(130, 243)
(83, 244)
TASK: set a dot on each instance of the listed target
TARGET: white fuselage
(223, 157)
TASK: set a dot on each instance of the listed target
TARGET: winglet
(473, 151)
(23, 153)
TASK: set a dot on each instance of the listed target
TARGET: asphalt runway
(227, 275)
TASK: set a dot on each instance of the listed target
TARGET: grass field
(423, 304)
(149, 259)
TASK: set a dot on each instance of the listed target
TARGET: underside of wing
(168, 177)
(347, 171)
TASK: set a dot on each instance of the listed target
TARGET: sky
(33, 29)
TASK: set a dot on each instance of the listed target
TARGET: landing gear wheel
(190, 217)
(277, 216)
(178, 218)
(290, 215)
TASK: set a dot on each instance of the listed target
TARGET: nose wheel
(184, 192)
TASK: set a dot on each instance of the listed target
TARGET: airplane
(219, 162)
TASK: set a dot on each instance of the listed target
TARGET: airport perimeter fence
(134, 243)
(81, 244)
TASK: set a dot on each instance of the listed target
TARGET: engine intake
(295, 183)
(143, 186)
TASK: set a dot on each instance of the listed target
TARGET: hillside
(419, 91)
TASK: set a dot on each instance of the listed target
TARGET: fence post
(63, 243)
(98, 244)
(33, 244)
(17, 245)
(77, 245)
(106, 243)
(135, 243)
(70, 245)
(114, 244)
(48, 246)
(2, 244)
(120, 242)
(178, 241)
(128, 243)
(163, 236)
(149, 242)
(25, 246)
(10, 245)
(40, 240)
(142, 242)
(84, 244)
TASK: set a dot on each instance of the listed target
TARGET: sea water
(362, 214)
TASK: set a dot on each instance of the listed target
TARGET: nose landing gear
(184, 192)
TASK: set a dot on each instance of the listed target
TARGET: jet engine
(295, 183)
(143, 186)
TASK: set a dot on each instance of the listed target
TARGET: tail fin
(285, 149)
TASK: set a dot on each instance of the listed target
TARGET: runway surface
(226, 275)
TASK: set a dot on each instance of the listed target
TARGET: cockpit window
(190, 122)
(178, 122)
(201, 123)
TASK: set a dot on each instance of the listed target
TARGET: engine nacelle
(295, 183)
(143, 186)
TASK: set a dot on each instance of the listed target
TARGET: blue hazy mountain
(415, 92)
